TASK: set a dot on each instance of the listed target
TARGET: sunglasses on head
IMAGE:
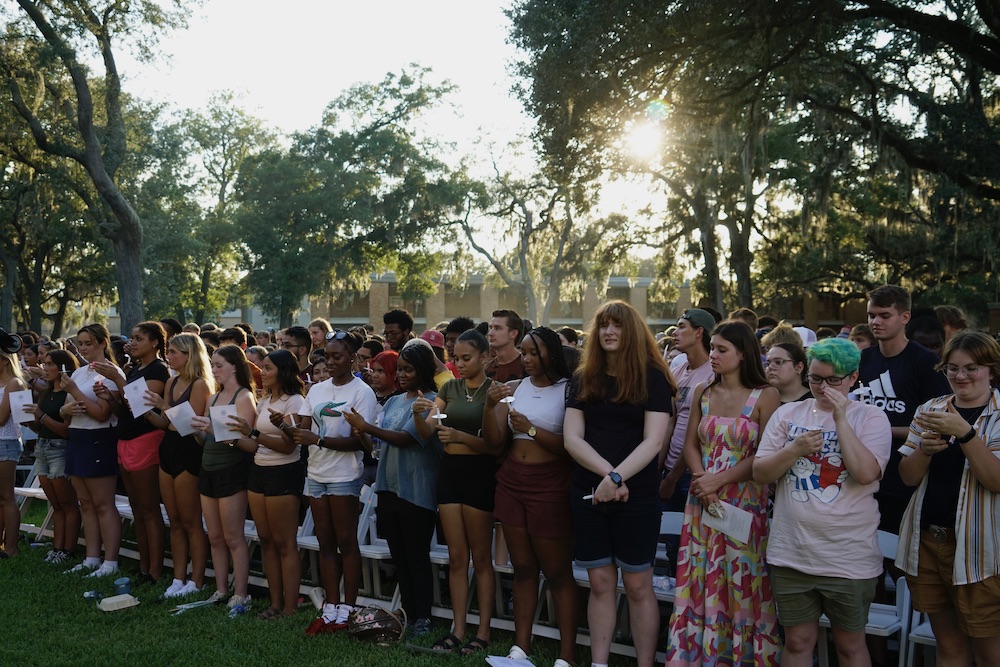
(336, 334)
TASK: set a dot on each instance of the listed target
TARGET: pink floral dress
(724, 611)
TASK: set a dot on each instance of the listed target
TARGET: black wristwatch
(967, 437)
(254, 434)
(616, 478)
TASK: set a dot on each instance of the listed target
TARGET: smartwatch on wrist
(967, 437)
(616, 478)
(254, 434)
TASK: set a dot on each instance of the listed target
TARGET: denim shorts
(10, 450)
(50, 457)
(319, 489)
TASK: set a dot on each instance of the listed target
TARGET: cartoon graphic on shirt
(330, 410)
(820, 475)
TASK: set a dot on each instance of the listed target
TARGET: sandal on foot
(269, 614)
(475, 646)
(446, 644)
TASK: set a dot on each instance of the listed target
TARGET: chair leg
(823, 648)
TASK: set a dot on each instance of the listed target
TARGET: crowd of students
(817, 440)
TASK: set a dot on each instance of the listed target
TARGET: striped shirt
(977, 555)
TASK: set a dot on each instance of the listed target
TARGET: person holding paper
(180, 458)
(139, 440)
(276, 480)
(724, 610)
(11, 380)
(50, 456)
(225, 469)
(951, 527)
(92, 455)
(827, 455)
(334, 475)
(618, 408)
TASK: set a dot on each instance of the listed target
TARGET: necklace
(471, 397)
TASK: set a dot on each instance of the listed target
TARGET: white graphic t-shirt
(826, 523)
(326, 404)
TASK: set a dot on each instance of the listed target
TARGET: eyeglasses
(777, 363)
(833, 380)
(336, 334)
(289, 346)
(951, 370)
(392, 333)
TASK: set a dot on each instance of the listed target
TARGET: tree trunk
(59, 317)
(206, 284)
(7, 295)
(709, 244)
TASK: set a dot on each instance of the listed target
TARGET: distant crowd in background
(574, 442)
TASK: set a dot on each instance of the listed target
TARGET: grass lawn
(48, 622)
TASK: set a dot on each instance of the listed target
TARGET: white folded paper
(734, 522)
(180, 416)
(220, 422)
(19, 399)
(135, 394)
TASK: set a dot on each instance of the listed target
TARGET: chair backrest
(367, 531)
(888, 544)
(671, 523)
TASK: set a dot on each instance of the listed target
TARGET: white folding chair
(920, 635)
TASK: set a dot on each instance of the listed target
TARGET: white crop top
(543, 406)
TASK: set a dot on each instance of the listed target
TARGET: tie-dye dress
(724, 611)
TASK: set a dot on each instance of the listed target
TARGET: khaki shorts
(976, 606)
(802, 598)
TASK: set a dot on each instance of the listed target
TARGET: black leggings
(408, 530)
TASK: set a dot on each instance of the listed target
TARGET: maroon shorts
(535, 496)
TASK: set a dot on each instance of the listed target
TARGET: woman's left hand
(448, 435)
(704, 484)
(237, 423)
(946, 423)
(837, 399)
(518, 421)
(105, 368)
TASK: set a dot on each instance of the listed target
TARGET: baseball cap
(807, 334)
(699, 318)
(434, 337)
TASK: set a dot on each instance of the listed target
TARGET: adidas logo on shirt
(883, 396)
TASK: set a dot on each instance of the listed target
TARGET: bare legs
(10, 516)
(225, 520)
(65, 512)
(336, 519)
(101, 522)
(276, 518)
(187, 536)
(143, 488)
(469, 530)
(554, 558)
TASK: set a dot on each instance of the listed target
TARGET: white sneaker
(517, 653)
(561, 663)
(104, 570)
(174, 589)
(239, 606)
(188, 589)
(80, 568)
(217, 597)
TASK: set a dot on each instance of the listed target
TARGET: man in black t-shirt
(899, 375)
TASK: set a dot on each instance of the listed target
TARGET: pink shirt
(826, 523)
(687, 379)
